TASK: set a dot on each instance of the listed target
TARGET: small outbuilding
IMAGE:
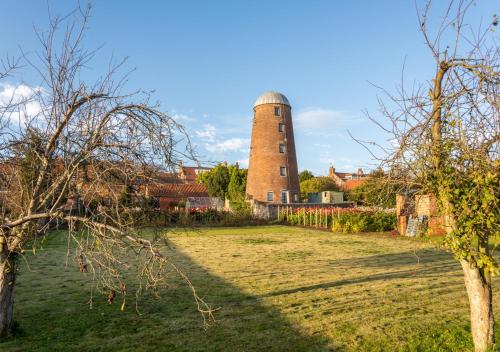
(326, 197)
(204, 203)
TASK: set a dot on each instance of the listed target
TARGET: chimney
(180, 167)
(331, 171)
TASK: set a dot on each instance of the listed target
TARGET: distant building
(272, 172)
(204, 203)
(326, 197)
(184, 174)
(174, 194)
(347, 180)
(188, 174)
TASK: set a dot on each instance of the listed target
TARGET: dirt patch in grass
(294, 255)
(261, 241)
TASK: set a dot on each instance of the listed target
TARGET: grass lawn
(278, 288)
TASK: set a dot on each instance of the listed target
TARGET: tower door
(284, 196)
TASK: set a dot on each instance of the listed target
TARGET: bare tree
(447, 138)
(71, 141)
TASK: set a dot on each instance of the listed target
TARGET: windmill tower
(272, 170)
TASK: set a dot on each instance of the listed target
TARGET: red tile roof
(168, 177)
(178, 190)
(355, 183)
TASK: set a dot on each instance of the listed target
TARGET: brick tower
(272, 169)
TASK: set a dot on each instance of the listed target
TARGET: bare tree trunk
(481, 309)
(7, 280)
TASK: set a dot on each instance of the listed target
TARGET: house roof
(168, 177)
(178, 190)
(343, 175)
(354, 183)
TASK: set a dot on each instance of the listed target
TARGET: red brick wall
(425, 204)
(401, 213)
(265, 158)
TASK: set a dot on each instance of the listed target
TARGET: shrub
(346, 220)
(350, 222)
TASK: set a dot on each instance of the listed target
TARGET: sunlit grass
(279, 289)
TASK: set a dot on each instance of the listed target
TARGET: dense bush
(317, 184)
(225, 182)
(346, 220)
(305, 175)
(377, 190)
(198, 217)
(350, 222)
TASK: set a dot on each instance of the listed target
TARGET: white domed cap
(272, 98)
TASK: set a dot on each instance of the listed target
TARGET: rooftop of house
(354, 183)
(178, 190)
(344, 176)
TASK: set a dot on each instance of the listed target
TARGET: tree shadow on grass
(52, 311)
(424, 263)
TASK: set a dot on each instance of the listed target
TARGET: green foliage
(126, 197)
(195, 217)
(27, 168)
(237, 184)
(216, 180)
(221, 263)
(474, 202)
(305, 175)
(317, 184)
(377, 190)
(226, 182)
(352, 222)
(346, 220)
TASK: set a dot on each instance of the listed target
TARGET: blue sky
(208, 61)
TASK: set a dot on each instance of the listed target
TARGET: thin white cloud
(318, 119)
(208, 133)
(18, 103)
(182, 117)
(229, 145)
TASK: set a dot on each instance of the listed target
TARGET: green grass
(278, 288)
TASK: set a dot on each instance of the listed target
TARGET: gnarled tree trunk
(7, 280)
(478, 287)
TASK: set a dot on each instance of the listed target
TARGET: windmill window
(277, 111)
(282, 148)
(282, 171)
(284, 197)
(281, 127)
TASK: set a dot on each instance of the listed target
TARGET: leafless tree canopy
(71, 140)
(446, 142)
(469, 58)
